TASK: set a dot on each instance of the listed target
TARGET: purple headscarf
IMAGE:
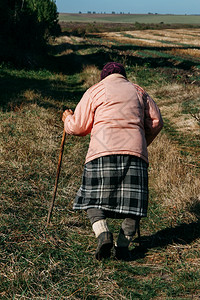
(112, 67)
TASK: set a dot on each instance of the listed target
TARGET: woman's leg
(126, 234)
(95, 214)
(98, 220)
(127, 231)
(99, 225)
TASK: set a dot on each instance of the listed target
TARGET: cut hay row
(176, 37)
(195, 53)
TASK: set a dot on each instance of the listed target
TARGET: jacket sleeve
(153, 122)
(80, 123)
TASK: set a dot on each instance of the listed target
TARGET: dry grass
(188, 52)
(90, 75)
(27, 158)
(174, 179)
(172, 97)
(175, 37)
(171, 35)
(68, 39)
(58, 263)
(119, 37)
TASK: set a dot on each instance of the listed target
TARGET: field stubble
(57, 263)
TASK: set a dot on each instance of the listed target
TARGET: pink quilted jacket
(121, 117)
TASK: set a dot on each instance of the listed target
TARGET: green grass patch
(189, 144)
(192, 108)
(58, 262)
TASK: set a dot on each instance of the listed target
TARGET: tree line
(27, 25)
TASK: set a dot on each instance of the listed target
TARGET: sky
(139, 6)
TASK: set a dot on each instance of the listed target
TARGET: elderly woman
(123, 120)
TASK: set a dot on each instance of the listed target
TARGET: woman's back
(118, 125)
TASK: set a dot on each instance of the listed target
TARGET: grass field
(58, 262)
(130, 18)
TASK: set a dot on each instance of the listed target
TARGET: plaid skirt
(115, 183)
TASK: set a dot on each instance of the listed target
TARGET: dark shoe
(105, 244)
(122, 253)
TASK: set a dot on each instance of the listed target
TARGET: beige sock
(99, 227)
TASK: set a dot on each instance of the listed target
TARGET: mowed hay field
(57, 262)
(130, 18)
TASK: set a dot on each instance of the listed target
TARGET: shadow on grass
(104, 53)
(12, 88)
(73, 63)
(182, 234)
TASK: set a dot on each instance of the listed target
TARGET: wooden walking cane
(57, 177)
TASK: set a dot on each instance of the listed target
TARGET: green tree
(47, 16)
(26, 25)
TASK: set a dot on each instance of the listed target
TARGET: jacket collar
(112, 76)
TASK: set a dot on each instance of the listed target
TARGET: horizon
(125, 13)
